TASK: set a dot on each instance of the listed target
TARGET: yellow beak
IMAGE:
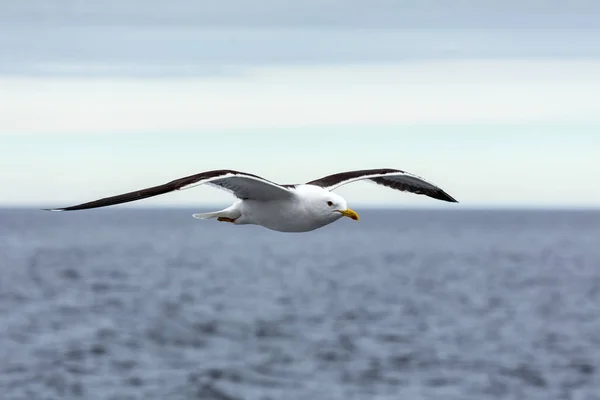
(349, 213)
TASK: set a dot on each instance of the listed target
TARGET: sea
(130, 303)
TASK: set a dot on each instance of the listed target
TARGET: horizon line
(441, 207)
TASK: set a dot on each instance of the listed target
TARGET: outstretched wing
(392, 178)
(241, 184)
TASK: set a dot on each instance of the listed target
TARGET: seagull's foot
(225, 219)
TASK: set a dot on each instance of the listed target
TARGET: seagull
(284, 208)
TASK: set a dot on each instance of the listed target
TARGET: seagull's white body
(305, 211)
(284, 208)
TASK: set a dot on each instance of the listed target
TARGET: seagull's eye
(329, 203)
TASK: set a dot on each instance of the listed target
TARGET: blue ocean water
(405, 304)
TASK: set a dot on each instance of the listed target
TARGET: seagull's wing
(240, 184)
(392, 178)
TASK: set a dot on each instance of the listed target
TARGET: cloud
(192, 51)
(376, 95)
(331, 13)
(190, 38)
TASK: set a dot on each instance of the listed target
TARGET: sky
(497, 102)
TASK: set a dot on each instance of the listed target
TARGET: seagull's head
(334, 206)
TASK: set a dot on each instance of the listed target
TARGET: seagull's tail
(207, 215)
(229, 212)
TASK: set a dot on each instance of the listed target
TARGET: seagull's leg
(225, 219)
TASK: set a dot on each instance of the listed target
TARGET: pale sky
(97, 100)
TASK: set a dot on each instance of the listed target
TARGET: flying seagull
(285, 208)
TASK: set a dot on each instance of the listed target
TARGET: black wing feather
(155, 190)
(436, 193)
(392, 178)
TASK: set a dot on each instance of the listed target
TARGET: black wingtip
(446, 197)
